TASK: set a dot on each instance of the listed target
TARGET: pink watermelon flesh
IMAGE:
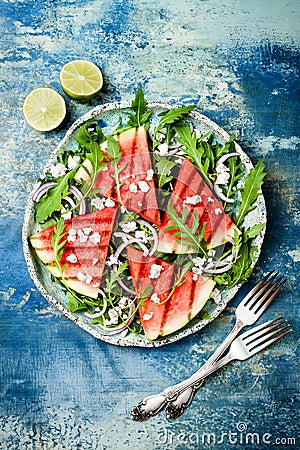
(88, 255)
(219, 227)
(174, 312)
(136, 156)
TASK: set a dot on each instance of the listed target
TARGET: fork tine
(263, 288)
(260, 329)
(265, 344)
(264, 302)
(256, 288)
(264, 332)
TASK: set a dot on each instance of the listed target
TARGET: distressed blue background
(239, 62)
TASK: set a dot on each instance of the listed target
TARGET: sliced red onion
(98, 313)
(132, 241)
(41, 190)
(78, 194)
(221, 195)
(215, 270)
(154, 234)
(111, 331)
(69, 200)
(226, 156)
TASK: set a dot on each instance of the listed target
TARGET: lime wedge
(81, 79)
(44, 109)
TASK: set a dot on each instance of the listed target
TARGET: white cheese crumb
(123, 209)
(155, 271)
(72, 258)
(150, 174)
(94, 262)
(71, 235)
(163, 149)
(109, 203)
(155, 298)
(127, 227)
(66, 214)
(140, 204)
(87, 230)
(57, 170)
(210, 200)
(133, 188)
(73, 161)
(112, 260)
(144, 186)
(148, 316)
(82, 237)
(113, 315)
(95, 238)
(84, 278)
(218, 211)
(98, 203)
(133, 175)
(198, 262)
(193, 200)
(141, 234)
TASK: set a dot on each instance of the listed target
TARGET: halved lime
(81, 79)
(44, 109)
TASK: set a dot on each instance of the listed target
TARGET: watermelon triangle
(137, 191)
(175, 309)
(219, 226)
(84, 252)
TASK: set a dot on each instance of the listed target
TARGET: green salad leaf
(250, 192)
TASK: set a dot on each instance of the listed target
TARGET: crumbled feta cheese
(109, 203)
(218, 211)
(95, 285)
(95, 238)
(179, 160)
(81, 276)
(104, 145)
(194, 200)
(123, 209)
(144, 186)
(71, 235)
(155, 298)
(140, 204)
(112, 260)
(127, 227)
(84, 278)
(66, 214)
(72, 258)
(133, 175)
(195, 277)
(133, 188)
(87, 230)
(105, 169)
(155, 271)
(223, 174)
(98, 203)
(148, 316)
(94, 262)
(198, 262)
(57, 170)
(210, 200)
(123, 301)
(150, 174)
(163, 149)
(141, 234)
(82, 237)
(113, 315)
(73, 161)
(211, 252)
(197, 270)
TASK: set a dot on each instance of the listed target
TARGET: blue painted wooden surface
(239, 62)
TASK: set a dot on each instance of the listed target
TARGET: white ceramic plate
(108, 116)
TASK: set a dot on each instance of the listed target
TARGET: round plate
(108, 116)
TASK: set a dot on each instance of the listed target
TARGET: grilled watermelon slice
(84, 253)
(191, 190)
(173, 311)
(137, 189)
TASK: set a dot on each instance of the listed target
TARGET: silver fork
(247, 313)
(243, 347)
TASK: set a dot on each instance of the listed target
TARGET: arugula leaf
(189, 141)
(172, 116)
(187, 235)
(140, 117)
(254, 231)
(52, 200)
(250, 191)
(163, 168)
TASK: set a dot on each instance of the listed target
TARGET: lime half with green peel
(81, 79)
(44, 109)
